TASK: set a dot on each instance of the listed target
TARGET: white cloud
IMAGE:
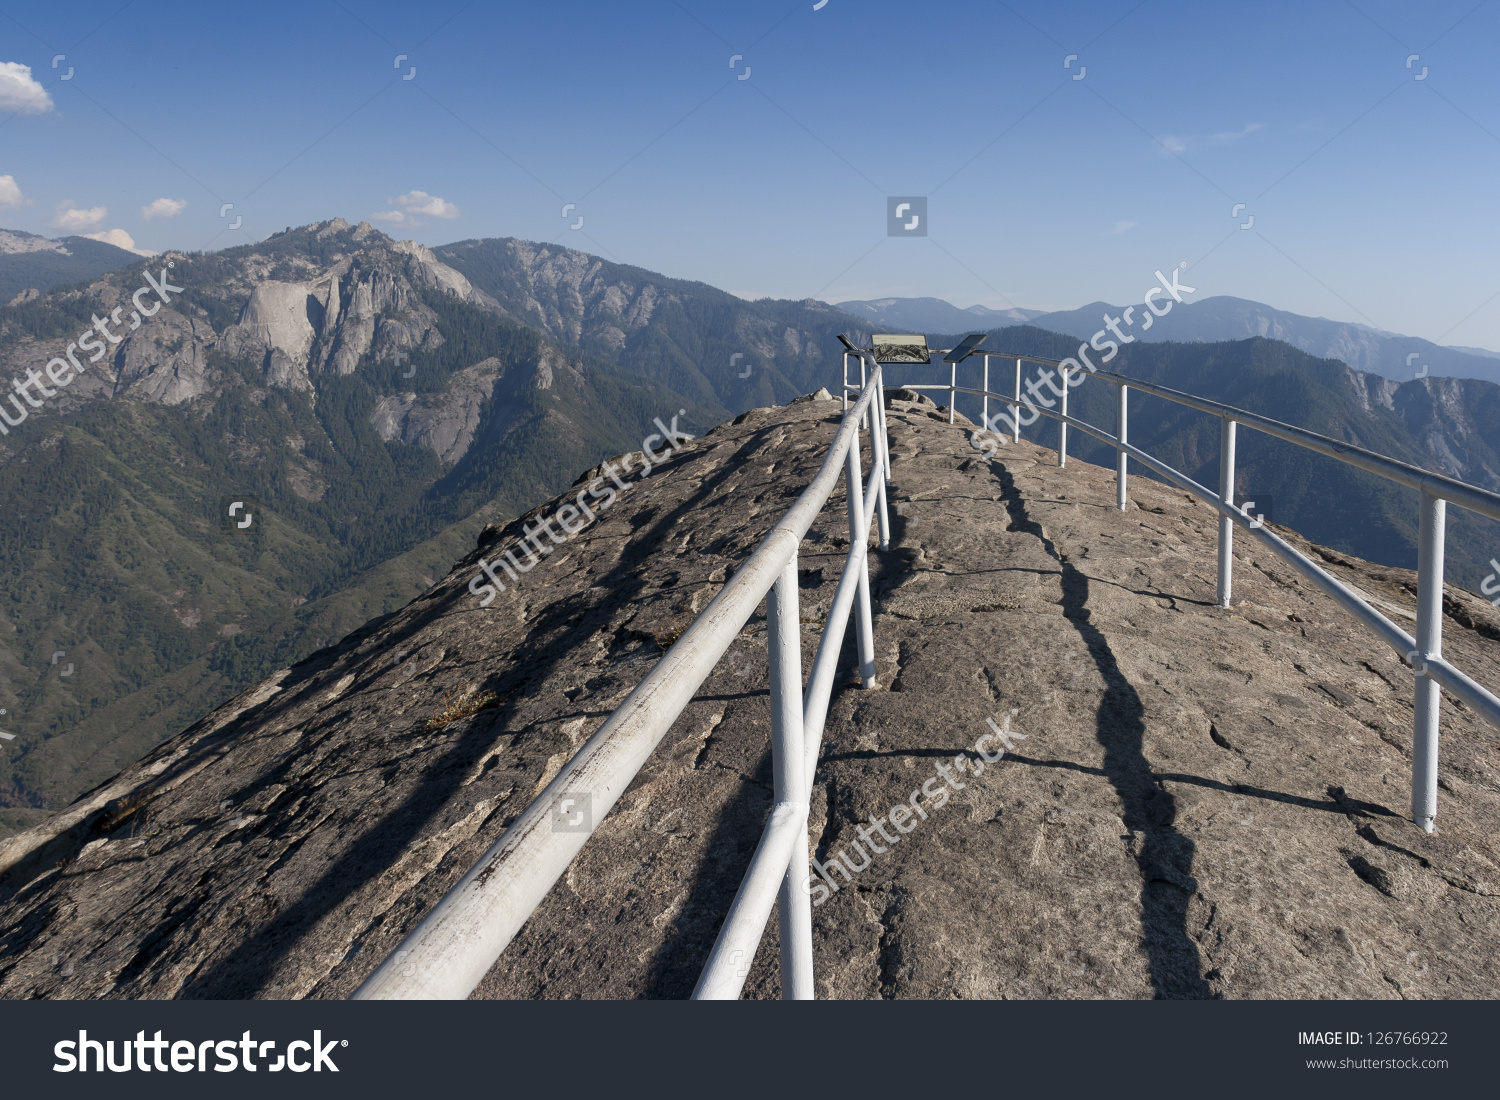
(75, 219)
(413, 203)
(19, 93)
(1235, 135)
(10, 192)
(1121, 227)
(163, 208)
(120, 239)
(420, 202)
(1174, 144)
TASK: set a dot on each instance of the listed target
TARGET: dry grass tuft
(463, 706)
(666, 636)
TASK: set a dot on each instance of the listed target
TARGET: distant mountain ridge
(1227, 318)
(695, 338)
(1211, 320)
(934, 314)
(29, 261)
(1484, 352)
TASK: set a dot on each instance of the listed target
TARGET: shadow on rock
(1163, 855)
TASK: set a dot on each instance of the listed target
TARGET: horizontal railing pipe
(1462, 686)
(825, 664)
(1480, 698)
(1450, 489)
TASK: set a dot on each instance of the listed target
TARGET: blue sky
(1371, 186)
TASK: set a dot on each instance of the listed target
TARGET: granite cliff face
(358, 298)
(367, 304)
(445, 424)
(1197, 802)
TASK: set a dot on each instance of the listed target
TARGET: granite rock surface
(1196, 802)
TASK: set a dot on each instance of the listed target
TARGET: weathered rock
(1198, 802)
(166, 362)
(444, 422)
(896, 394)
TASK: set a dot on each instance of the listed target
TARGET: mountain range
(372, 404)
(34, 264)
(1402, 358)
(934, 315)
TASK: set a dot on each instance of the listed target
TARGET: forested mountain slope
(371, 407)
(691, 336)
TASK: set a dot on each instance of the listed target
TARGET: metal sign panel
(965, 347)
(900, 349)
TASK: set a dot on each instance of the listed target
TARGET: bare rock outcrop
(1196, 801)
(14, 241)
(364, 304)
(166, 362)
(444, 423)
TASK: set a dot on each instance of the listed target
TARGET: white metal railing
(1424, 654)
(453, 947)
(449, 952)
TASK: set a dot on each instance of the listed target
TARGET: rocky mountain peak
(366, 303)
(328, 229)
(322, 298)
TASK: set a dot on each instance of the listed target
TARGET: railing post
(878, 462)
(880, 443)
(1121, 432)
(864, 420)
(1062, 429)
(952, 389)
(984, 415)
(1226, 525)
(844, 389)
(864, 630)
(1015, 409)
(789, 772)
(1428, 702)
